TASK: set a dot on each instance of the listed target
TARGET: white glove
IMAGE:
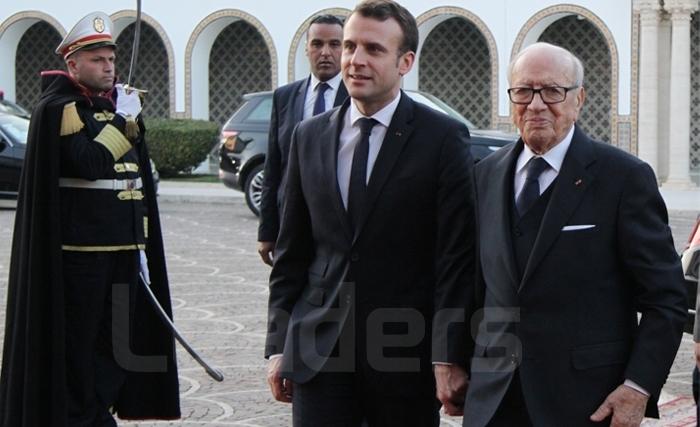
(144, 267)
(128, 104)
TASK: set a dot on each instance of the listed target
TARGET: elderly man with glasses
(574, 242)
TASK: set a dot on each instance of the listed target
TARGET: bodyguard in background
(321, 91)
(574, 242)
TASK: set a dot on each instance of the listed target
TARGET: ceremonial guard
(82, 342)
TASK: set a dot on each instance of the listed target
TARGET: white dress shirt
(553, 157)
(350, 136)
(328, 95)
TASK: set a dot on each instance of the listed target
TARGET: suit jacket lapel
(299, 98)
(341, 95)
(397, 134)
(330, 139)
(571, 184)
(497, 201)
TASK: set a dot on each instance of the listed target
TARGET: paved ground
(219, 290)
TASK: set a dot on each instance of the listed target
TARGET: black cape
(33, 377)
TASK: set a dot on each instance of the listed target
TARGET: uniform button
(355, 257)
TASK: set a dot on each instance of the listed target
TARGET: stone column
(679, 111)
(648, 141)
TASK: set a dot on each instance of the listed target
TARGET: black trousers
(346, 400)
(512, 411)
(94, 378)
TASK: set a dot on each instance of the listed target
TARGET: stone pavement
(219, 292)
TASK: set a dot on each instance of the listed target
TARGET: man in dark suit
(321, 91)
(574, 242)
(374, 262)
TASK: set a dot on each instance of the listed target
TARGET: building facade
(642, 60)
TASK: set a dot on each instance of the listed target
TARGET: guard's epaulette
(70, 122)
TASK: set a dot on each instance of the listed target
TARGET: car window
(16, 128)
(439, 105)
(262, 111)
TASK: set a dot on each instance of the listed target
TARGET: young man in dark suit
(321, 91)
(374, 265)
(574, 243)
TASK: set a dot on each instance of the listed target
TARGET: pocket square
(577, 227)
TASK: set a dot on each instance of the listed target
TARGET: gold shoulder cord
(70, 121)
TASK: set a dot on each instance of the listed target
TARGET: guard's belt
(101, 184)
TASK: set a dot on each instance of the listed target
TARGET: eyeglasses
(548, 94)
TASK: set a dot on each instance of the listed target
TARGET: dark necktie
(357, 190)
(320, 104)
(531, 190)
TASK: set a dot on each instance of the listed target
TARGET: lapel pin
(578, 182)
(398, 133)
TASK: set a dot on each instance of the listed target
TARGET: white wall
(504, 18)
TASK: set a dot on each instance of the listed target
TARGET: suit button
(517, 231)
(355, 257)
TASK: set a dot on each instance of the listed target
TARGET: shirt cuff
(442, 363)
(274, 356)
(633, 385)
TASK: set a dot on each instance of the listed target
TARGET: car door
(11, 160)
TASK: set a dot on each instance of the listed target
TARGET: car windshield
(16, 128)
(437, 104)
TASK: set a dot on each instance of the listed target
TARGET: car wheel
(253, 189)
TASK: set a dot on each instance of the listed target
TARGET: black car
(13, 143)
(690, 260)
(243, 142)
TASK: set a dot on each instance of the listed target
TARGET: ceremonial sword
(135, 45)
(213, 372)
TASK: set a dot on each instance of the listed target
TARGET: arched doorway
(35, 53)
(695, 95)
(239, 62)
(455, 66)
(152, 68)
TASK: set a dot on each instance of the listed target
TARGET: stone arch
(163, 104)
(536, 26)
(197, 52)
(297, 65)
(12, 31)
(432, 19)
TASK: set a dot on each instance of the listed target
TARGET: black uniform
(80, 335)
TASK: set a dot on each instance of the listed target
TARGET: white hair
(576, 64)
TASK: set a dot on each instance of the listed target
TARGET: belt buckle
(130, 184)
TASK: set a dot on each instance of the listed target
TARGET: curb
(197, 198)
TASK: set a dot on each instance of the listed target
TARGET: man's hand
(128, 102)
(451, 387)
(625, 404)
(266, 251)
(697, 354)
(281, 388)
